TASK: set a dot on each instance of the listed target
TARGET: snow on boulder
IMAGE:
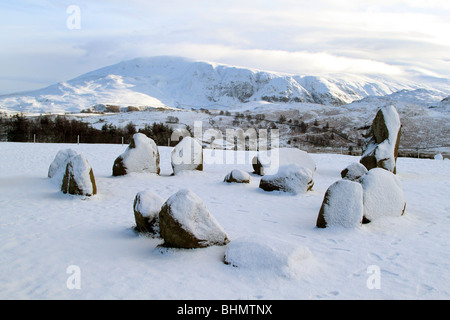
(269, 161)
(187, 155)
(269, 254)
(58, 166)
(238, 176)
(79, 177)
(438, 157)
(146, 207)
(383, 195)
(142, 155)
(185, 222)
(342, 205)
(290, 178)
(380, 148)
(354, 171)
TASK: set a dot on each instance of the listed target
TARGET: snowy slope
(183, 83)
(45, 235)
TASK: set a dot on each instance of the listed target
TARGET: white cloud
(294, 36)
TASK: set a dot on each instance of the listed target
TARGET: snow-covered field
(43, 233)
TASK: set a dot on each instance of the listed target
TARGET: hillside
(175, 82)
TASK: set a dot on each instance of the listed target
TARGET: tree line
(59, 129)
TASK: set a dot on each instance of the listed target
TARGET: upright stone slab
(146, 207)
(342, 205)
(383, 195)
(187, 155)
(380, 148)
(79, 177)
(57, 168)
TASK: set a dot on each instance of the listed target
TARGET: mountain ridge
(176, 82)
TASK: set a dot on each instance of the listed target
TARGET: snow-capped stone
(187, 155)
(146, 207)
(58, 166)
(79, 177)
(383, 195)
(238, 176)
(342, 205)
(290, 178)
(354, 171)
(266, 254)
(269, 161)
(380, 149)
(142, 155)
(185, 222)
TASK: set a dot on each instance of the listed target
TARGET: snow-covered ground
(44, 233)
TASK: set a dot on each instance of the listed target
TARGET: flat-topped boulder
(238, 176)
(290, 178)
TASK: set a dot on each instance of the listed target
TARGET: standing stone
(237, 176)
(380, 148)
(354, 171)
(142, 155)
(187, 155)
(146, 207)
(185, 222)
(58, 166)
(383, 195)
(79, 177)
(290, 178)
(342, 205)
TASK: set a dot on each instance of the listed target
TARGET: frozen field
(43, 232)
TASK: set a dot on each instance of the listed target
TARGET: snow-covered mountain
(183, 83)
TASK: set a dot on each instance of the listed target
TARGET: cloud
(394, 37)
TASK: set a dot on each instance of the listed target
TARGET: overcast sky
(41, 43)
